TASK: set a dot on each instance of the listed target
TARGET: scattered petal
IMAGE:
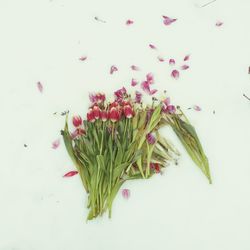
(125, 193)
(171, 62)
(186, 58)
(152, 46)
(197, 108)
(129, 22)
(70, 174)
(166, 101)
(175, 74)
(153, 91)
(219, 23)
(134, 82)
(161, 59)
(184, 67)
(150, 78)
(133, 67)
(55, 144)
(167, 20)
(40, 86)
(113, 69)
(138, 96)
(82, 58)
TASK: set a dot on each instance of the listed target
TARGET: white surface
(42, 41)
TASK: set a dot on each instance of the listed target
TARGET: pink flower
(161, 59)
(119, 94)
(104, 115)
(70, 174)
(145, 87)
(167, 107)
(134, 82)
(125, 193)
(40, 86)
(150, 138)
(175, 74)
(133, 67)
(90, 115)
(114, 114)
(96, 112)
(197, 108)
(152, 46)
(97, 98)
(113, 69)
(77, 132)
(83, 58)
(77, 121)
(171, 109)
(186, 58)
(167, 20)
(129, 22)
(171, 62)
(55, 144)
(138, 96)
(184, 67)
(219, 23)
(128, 111)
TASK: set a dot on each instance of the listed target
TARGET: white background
(42, 41)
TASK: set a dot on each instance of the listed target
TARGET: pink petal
(83, 58)
(166, 101)
(138, 96)
(186, 58)
(175, 74)
(153, 91)
(133, 67)
(125, 193)
(145, 86)
(70, 174)
(197, 108)
(184, 67)
(134, 82)
(129, 22)
(219, 23)
(161, 59)
(55, 144)
(113, 69)
(171, 62)
(40, 86)
(152, 46)
(167, 20)
(150, 78)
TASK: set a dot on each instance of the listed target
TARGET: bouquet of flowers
(121, 141)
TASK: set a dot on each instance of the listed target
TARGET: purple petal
(175, 74)
(152, 46)
(171, 109)
(153, 91)
(219, 23)
(83, 58)
(125, 193)
(134, 82)
(70, 174)
(145, 87)
(184, 67)
(197, 108)
(138, 96)
(186, 58)
(167, 20)
(113, 69)
(171, 62)
(150, 78)
(150, 138)
(129, 22)
(133, 67)
(40, 86)
(55, 144)
(161, 59)
(166, 101)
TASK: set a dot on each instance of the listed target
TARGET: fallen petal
(175, 74)
(184, 67)
(70, 174)
(113, 69)
(129, 22)
(55, 144)
(150, 78)
(171, 62)
(134, 82)
(167, 20)
(125, 193)
(145, 87)
(133, 67)
(153, 91)
(40, 86)
(197, 108)
(161, 59)
(219, 23)
(186, 58)
(83, 58)
(152, 46)
(166, 101)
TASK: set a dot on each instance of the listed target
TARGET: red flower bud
(77, 121)
(114, 114)
(104, 115)
(90, 115)
(128, 111)
(96, 112)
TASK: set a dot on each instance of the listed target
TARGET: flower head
(90, 115)
(114, 114)
(77, 121)
(150, 138)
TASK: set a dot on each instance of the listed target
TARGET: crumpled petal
(152, 46)
(168, 20)
(55, 144)
(40, 86)
(186, 58)
(70, 174)
(113, 69)
(134, 67)
(126, 193)
(171, 62)
(129, 22)
(134, 82)
(175, 74)
(219, 23)
(150, 78)
(184, 67)
(138, 96)
(82, 58)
